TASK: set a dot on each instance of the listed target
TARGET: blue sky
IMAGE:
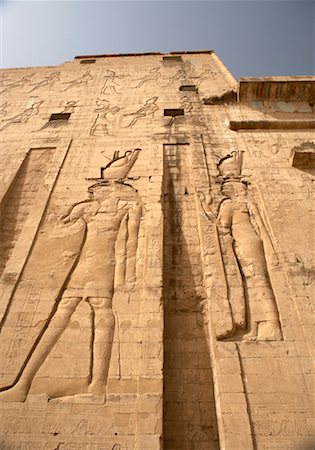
(252, 37)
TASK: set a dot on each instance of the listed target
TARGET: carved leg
(104, 324)
(18, 392)
(235, 283)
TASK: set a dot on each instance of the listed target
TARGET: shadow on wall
(189, 409)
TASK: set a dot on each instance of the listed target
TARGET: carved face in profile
(105, 191)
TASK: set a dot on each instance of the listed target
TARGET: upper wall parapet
(285, 89)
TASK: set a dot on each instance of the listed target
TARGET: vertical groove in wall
(189, 409)
(17, 204)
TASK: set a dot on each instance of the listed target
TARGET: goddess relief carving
(107, 258)
(242, 237)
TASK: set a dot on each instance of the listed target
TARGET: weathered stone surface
(157, 256)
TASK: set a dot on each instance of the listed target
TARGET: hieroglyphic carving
(103, 110)
(18, 83)
(82, 80)
(110, 219)
(242, 237)
(24, 116)
(47, 81)
(153, 75)
(148, 109)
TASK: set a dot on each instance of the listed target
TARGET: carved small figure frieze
(3, 109)
(110, 85)
(104, 113)
(82, 80)
(147, 110)
(18, 83)
(50, 80)
(153, 75)
(23, 117)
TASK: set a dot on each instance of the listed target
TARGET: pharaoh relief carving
(110, 221)
(243, 237)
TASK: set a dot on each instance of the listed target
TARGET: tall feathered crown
(231, 165)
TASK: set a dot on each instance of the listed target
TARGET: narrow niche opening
(87, 61)
(174, 112)
(172, 58)
(59, 117)
(189, 88)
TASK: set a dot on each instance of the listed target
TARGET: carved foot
(96, 399)
(269, 331)
(17, 393)
(253, 334)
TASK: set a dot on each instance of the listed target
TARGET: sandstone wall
(156, 237)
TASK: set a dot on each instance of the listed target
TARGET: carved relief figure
(110, 83)
(111, 219)
(186, 103)
(152, 75)
(47, 81)
(69, 107)
(4, 79)
(243, 236)
(148, 109)
(83, 79)
(99, 127)
(180, 75)
(207, 73)
(24, 116)
(3, 109)
(19, 83)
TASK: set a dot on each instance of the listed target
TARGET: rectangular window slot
(87, 61)
(173, 112)
(172, 58)
(59, 116)
(188, 87)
